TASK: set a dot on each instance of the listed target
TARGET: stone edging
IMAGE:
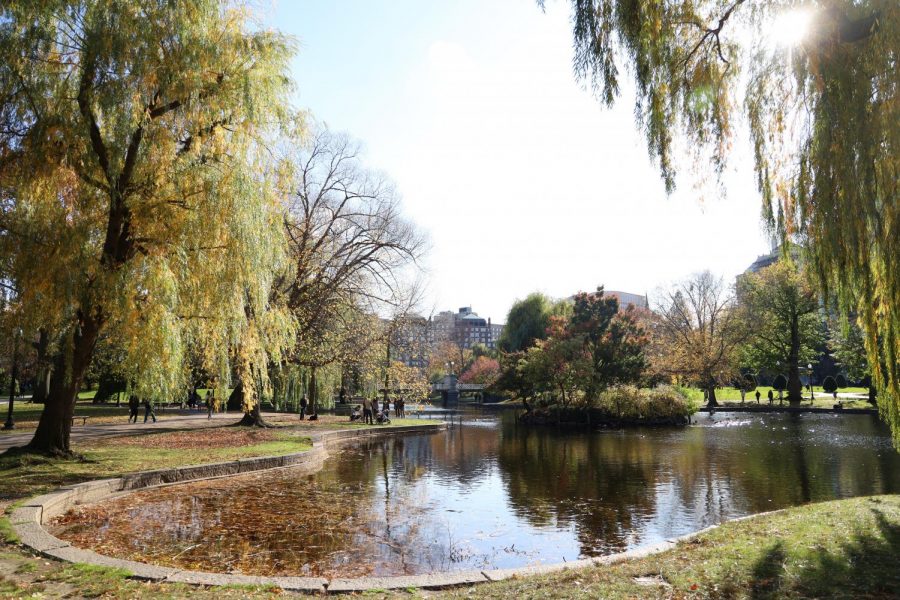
(27, 521)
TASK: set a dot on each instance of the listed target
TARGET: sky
(519, 177)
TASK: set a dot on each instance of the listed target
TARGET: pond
(490, 493)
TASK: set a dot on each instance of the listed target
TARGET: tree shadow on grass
(767, 573)
(23, 475)
(864, 567)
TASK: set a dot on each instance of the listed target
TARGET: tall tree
(560, 365)
(352, 254)
(786, 329)
(595, 348)
(527, 321)
(482, 371)
(612, 339)
(697, 332)
(446, 357)
(823, 118)
(137, 194)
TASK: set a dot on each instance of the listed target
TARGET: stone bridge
(450, 389)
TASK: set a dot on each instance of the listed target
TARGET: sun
(790, 28)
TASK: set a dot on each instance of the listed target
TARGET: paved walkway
(101, 430)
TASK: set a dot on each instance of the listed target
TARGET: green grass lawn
(27, 414)
(731, 395)
(22, 476)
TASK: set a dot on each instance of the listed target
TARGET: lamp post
(10, 422)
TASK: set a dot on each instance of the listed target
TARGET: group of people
(368, 412)
(134, 405)
(195, 401)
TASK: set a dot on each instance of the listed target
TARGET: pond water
(490, 493)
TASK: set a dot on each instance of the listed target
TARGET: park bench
(83, 418)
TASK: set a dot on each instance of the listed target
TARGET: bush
(748, 382)
(841, 381)
(631, 403)
(780, 383)
(829, 385)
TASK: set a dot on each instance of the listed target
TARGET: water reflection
(489, 493)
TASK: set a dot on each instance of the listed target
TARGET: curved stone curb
(27, 521)
(28, 518)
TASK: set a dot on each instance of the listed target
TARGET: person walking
(148, 411)
(757, 396)
(386, 406)
(771, 397)
(304, 403)
(367, 411)
(133, 406)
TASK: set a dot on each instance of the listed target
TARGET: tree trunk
(252, 417)
(795, 388)
(55, 425)
(873, 394)
(235, 400)
(313, 392)
(44, 368)
(387, 371)
(711, 392)
(42, 385)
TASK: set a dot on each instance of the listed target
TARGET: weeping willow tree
(138, 199)
(817, 84)
(291, 382)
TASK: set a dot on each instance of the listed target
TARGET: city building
(416, 335)
(625, 299)
(772, 257)
(411, 340)
(465, 328)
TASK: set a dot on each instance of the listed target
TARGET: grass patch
(80, 570)
(22, 476)
(730, 395)
(27, 415)
(26, 567)
(7, 534)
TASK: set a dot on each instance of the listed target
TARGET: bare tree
(353, 256)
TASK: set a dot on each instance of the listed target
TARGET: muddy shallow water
(491, 494)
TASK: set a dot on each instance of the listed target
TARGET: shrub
(830, 385)
(748, 382)
(780, 383)
(631, 403)
(841, 381)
